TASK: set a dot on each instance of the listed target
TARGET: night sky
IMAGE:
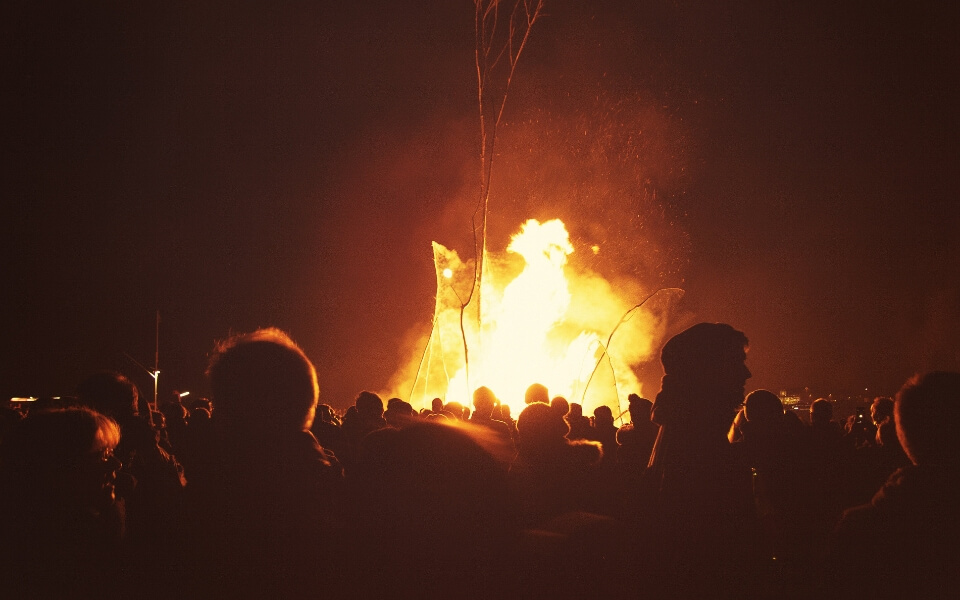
(792, 166)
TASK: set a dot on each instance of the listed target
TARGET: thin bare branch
(486, 23)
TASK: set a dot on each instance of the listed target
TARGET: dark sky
(792, 166)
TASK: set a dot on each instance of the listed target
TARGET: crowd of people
(707, 492)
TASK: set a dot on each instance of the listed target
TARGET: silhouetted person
(264, 494)
(571, 547)
(829, 464)
(553, 474)
(326, 428)
(483, 403)
(60, 524)
(635, 442)
(433, 516)
(175, 416)
(152, 479)
(196, 436)
(605, 432)
(506, 417)
(859, 430)
(579, 424)
(772, 443)
(636, 439)
(365, 416)
(907, 539)
(705, 524)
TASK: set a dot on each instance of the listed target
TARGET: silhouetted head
(436, 405)
(199, 415)
(174, 413)
(821, 411)
(483, 401)
(399, 413)
(63, 456)
(576, 410)
(263, 380)
(369, 405)
(710, 354)
(325, 413)
(505, 411)
(881, 409)
(639, 408)
(109, 393)
(927, 411)
(763, 407)
(602, 416)
(560, 405)
(453, 410)
(704, 377)
(539, 425)
(537, 392)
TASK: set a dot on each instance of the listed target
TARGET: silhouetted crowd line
(262, 493)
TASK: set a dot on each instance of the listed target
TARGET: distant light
(182, 394)
(27, 399)
(448, 273)
(595, 248)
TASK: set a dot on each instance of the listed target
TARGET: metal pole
(156, 364)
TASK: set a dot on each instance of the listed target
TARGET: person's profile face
(732, 378)
(735, 373)
(98, 476)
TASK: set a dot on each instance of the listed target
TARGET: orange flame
(542, 322)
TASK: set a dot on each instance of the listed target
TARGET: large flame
(541, 322)
(515, 348)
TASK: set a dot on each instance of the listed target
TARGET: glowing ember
(542, 321)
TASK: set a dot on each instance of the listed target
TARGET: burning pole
(494, 48)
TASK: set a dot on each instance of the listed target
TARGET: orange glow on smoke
(542, 321)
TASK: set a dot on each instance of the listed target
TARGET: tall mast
(156, 364)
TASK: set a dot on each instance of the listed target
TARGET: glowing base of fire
(536, 322)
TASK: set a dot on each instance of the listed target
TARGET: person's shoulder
(585, 453)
